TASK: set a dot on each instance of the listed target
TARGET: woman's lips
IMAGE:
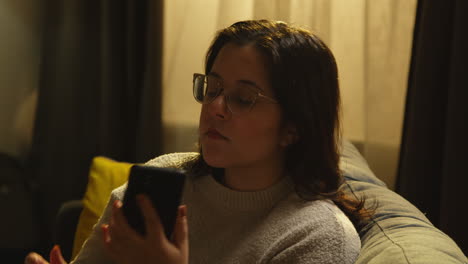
(214, 134)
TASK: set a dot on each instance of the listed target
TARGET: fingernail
(105, 231)
(55, 252)
(117, 203)
(183, 210)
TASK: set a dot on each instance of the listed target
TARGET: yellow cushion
(104, 176)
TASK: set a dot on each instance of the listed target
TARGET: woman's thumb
(56, 256)
(34, 258)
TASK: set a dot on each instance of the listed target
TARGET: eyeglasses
(239, 100)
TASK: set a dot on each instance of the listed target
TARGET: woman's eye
(246, 101)
(211, 93)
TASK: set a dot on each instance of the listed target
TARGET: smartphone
(164, 188)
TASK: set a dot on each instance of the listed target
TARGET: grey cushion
(398, 232)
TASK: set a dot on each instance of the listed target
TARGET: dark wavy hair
(304, 79)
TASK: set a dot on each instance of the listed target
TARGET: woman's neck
(252, 179)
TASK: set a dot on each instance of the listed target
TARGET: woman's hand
(124, 245)
(55, 257)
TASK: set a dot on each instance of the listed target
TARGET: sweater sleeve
(332, 239)
(93, 249)
(318, 248)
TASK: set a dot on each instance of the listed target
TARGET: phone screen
(164, 188)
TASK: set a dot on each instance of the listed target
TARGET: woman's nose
(219, 107)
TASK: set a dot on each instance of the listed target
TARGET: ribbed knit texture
(268, 226)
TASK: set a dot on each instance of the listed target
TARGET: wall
(19, 73)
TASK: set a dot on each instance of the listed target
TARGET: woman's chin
(214, 158)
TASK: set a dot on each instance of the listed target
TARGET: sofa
(397, 233)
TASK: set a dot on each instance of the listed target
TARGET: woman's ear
(290, 135)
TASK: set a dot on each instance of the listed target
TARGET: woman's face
(255, 138)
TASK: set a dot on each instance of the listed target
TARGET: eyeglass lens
(240, 99)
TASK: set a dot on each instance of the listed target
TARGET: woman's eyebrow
(250, 83)
(247, 82)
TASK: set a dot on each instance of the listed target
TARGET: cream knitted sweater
(269, 226)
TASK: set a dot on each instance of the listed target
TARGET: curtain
(99, 94)
(19, 58)
(371, 41)
(432, 172)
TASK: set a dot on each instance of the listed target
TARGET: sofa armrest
(65, 226)
(398, 233)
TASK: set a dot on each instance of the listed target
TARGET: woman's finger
(34, 258)
(119, 225)
(107, 241)
(115, 223)
(105, 233)
(181, 230)
(118, 220)
(115, 242)
(56, 256)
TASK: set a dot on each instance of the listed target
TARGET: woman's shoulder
(310, 213)
(318, 224)
(118, 193)
(179, 160)
(173, 160)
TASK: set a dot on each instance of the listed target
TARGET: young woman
(264, 187)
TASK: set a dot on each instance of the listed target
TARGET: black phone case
(163, 186)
